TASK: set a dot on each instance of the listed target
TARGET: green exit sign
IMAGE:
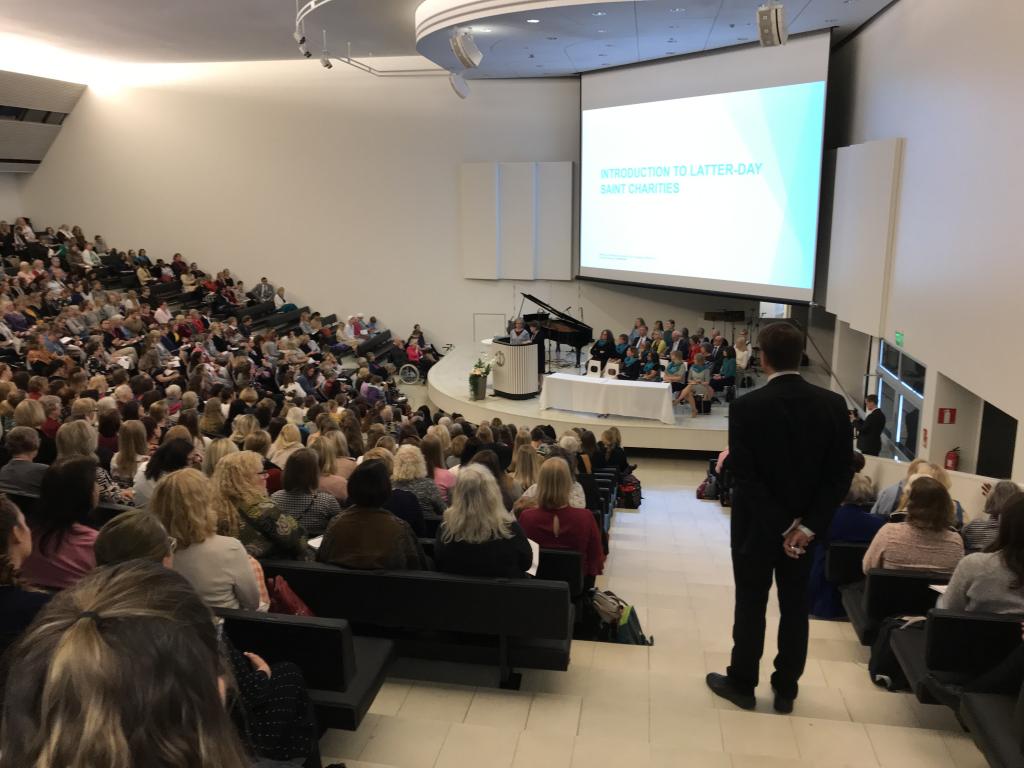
(899, 338)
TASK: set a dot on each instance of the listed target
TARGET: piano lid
(557, 313)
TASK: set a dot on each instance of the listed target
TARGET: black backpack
(630, 493)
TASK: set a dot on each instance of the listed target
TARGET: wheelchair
(412, 373)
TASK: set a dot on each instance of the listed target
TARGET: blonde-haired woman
(346, 465)
(242, 427)
(554, 524)
(478, 536)
(212, 422)
(246, 512)
(288, 441)
(78, 439)
(216, 451)
(217, 566)
(330, 481)
(132, 452)
(410, 474)
(527, 463)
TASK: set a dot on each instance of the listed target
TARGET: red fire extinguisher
(953, 459)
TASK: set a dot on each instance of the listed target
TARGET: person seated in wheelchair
(419, 340)
(422, 360)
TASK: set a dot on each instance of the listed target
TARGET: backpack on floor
(883, 666)
(630, 493)
(618, 620)
(708, 489)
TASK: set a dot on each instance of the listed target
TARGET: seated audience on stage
(410, 474)
(978, 534)
(675, 371)
(62, 545)
(301, 497)
(699, 376)
(927, 540)
(852, 522)
(19, 603)
(726, 375)
(630, 367)
(366, 536)
(246, 512)
(992, 581)
(742, 350)
(650, 369)
(621, 347)
(479, 537)
(603, 348)
(136, 534)
(22, 474)
(555, 522)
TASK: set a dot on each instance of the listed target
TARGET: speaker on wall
(465, 50)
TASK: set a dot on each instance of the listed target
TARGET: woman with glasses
(217, 566)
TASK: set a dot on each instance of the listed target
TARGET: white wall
(948, 82)
(341, 186)
(10, 197)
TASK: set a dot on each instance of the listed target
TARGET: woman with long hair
(243, 425)
(134, 648)
(301, 496)
(288, 441)
(330, 480)
(489, 459)
(62, 542)
(216, 566)
(169, 457)
(212, 422)
(19, 603)
(132, 452)
(610, 452)
(433, 454)
(410, 474)
(246, 512)
(527, 463)
(346, 465)
(479, 537)
(925, 541)
(993, 581)
(554, 524)
(136, 534)
(980, 533)
(78, 439)
(216, 451)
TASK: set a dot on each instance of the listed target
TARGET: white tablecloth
(589, 394)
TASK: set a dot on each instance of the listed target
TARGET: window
(912, 374)
(889, 358)
(906, 431)
(887, 404)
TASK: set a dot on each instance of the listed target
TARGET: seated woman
(852, 522)
(675, 371)
(553, 523)
(79, 439)
(489, 459)
(603, 349)
(136, 534)
(630, 369)
(366, 536)
(926, 541)
(217, 566)
(621, 346)
(288, 441)
(62, 542)
(742, 354)
(610, 453)
(650, 369)
(993, 581)
(132, 452)
(169, 457)
(301, 496)
(527, 467)
(980, 533)
(19, 603)
(478, 536)
(245, 512)
(433, 454)
(410, 474)
(699, 384)
(155, 652)
(330, 481)
(726, 376)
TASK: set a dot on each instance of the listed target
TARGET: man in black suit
(869, 429)
(790, 452)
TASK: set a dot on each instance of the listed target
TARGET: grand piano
(560, 327)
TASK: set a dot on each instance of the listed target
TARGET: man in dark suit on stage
(790, 452)
(869, 429)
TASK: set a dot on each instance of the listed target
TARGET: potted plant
(478, 379)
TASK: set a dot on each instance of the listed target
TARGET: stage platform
(448, 389)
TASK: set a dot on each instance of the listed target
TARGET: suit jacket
(790, 448)
(869, 433)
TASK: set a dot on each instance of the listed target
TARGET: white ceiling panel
(25, 141)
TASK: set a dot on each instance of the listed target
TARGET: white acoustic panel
(30, 92)
(479, 226)
(517, 221)
(517, 242)
(554, 221)
(25, 141)
(864, 212)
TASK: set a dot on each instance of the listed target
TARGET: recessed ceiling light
(551, 38)
(742, 39)
(599, 13)
(677, 10)
(831, 21)
(533, 21)
(600, 31)
(483, 29)
(602, 54)
(673, 26)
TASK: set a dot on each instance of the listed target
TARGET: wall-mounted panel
(517, 242)
(864, 212)
(554, 221)
(25, 141)
(478, 184)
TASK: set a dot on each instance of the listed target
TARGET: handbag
(284, 600)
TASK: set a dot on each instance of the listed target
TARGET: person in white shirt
(519, 334)
(163, 315)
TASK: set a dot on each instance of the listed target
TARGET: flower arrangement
(478, 378)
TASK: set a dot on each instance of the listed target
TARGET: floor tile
(963, 751)
(557, 713)
(833, 743)
(349, 744)
(433, 701)
(881, 707)
(500, 709)
(848, 675)
(897, 747)
(544, 749)
(627, 720)
(685, 757)
(609, 752)
(406, 743)
(477, 746)
(390, 697)
(752, 733)
(694, 730)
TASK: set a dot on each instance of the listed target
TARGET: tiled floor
(648, 707)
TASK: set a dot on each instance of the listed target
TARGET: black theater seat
(995, 723)
(886, 593)
(343, 673)
(504, 622)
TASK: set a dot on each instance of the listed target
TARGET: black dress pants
(753, 573)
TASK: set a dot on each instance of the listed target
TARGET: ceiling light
(533, 21)
(677, 10)
(482, 29)
(325, 57)
(599, 13)
(831, 21)
(300, 36)
(552, 38)
(600, 31)
(305, 51)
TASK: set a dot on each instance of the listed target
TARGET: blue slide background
(758, 228)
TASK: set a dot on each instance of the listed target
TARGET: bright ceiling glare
(459, 85)
(771, 24)
(599, 13)
(533, 21)
(465, 49)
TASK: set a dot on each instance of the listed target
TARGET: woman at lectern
(603, 348)
(519, 334)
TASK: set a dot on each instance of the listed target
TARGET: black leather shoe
(783, 705)
(721, 685)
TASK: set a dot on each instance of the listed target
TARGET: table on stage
(590, 394)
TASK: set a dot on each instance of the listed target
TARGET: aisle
(628, 706)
